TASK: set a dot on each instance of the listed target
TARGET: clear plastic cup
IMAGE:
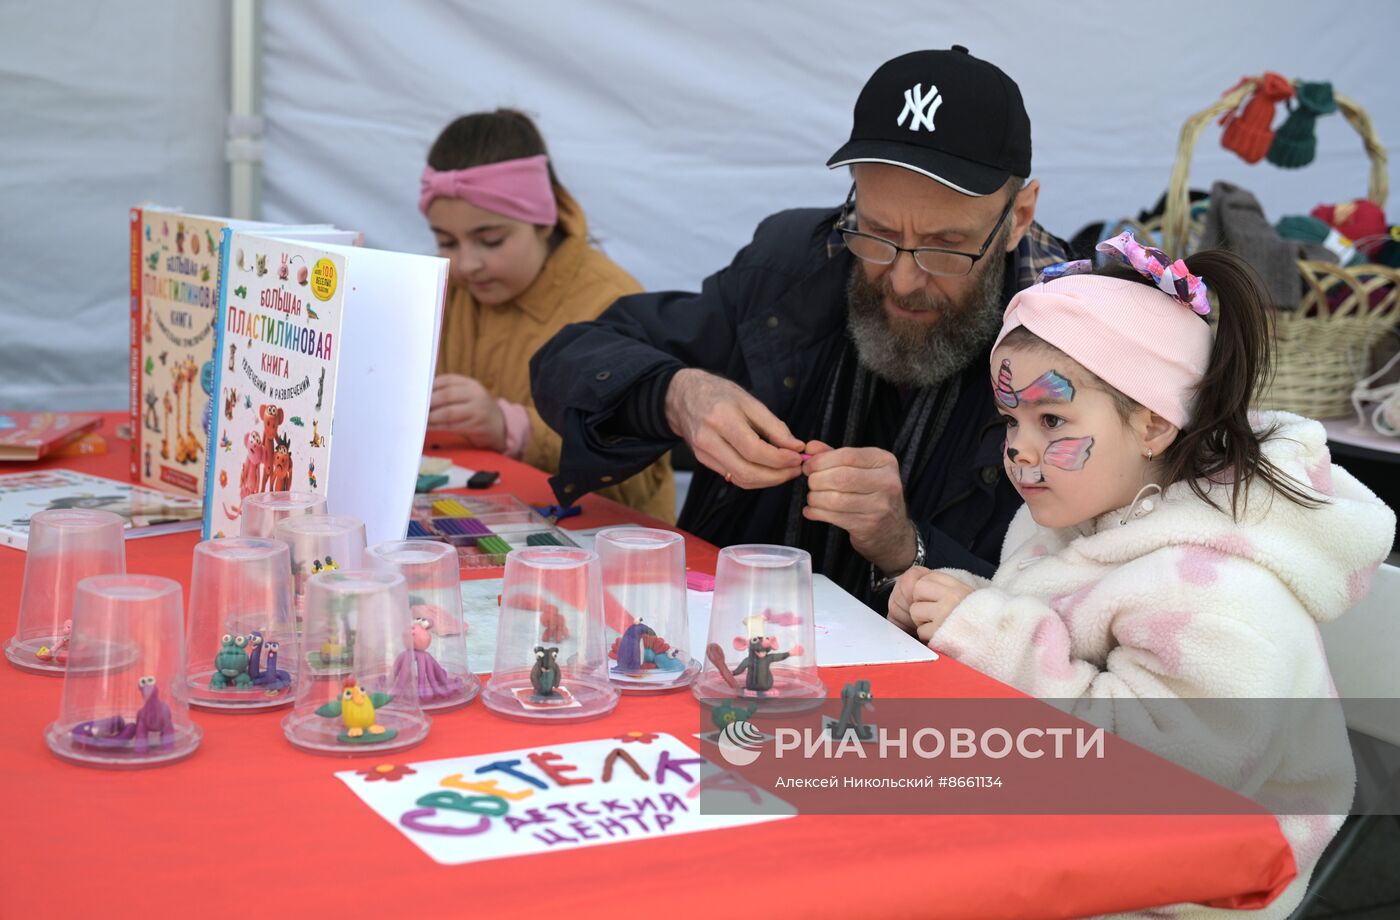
(320, 543)
(124, 702)
(551, 654)
(438, 639)
(763, 641)
(356, 629)
(262, 510)
(65, 546)
(241, 638)
(644, 608)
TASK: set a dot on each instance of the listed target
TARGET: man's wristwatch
(879, 584)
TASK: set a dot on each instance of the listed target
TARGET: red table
(251, 828)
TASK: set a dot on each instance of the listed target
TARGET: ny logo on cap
(920, 106)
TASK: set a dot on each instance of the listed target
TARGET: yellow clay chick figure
(356, 709)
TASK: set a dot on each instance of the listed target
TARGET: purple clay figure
(271, 679)
(153, 716)
(110, 733)
(630, 654)
(255, 650)
(434, 683)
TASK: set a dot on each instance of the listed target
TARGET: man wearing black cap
(833, 379)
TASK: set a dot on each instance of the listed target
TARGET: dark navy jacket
(769, 322)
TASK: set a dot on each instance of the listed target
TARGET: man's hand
(858, 490)
(731, 432)
(462, 405)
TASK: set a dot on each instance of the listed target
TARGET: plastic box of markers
(483, 528)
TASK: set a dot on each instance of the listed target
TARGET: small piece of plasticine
(699, 581)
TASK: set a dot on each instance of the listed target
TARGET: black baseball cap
(946, 114)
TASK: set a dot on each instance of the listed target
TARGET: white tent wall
(103, 105)
(677, 126)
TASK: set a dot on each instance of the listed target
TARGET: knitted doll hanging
(1295, 142)
(1249, 132)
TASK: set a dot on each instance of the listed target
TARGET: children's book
(147, 511)
(174, 299)
(324, 373)
(34, 435)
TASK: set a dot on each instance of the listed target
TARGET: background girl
(522, 268)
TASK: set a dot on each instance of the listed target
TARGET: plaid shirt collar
(1037, 251)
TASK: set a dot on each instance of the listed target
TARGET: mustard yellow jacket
(493, 343)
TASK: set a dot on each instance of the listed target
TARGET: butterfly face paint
(1068, 454)
(1057, 422)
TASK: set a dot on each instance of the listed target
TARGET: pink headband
(1139, 340)
(518, 189)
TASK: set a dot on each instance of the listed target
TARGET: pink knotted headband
(518, 189)
(1140, 340)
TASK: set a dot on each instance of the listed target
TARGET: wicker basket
(1323, 348)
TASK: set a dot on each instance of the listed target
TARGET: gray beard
(912, 354)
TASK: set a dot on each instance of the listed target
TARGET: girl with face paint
(1173, 545)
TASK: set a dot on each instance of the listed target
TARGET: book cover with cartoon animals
(174, 300)
(278, 347)
(147, 512)
(175, 268)
(308, 332)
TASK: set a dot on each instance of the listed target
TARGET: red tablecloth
(249, 827)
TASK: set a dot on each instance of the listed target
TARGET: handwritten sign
(638, 786)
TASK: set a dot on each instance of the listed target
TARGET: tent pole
(243, 148)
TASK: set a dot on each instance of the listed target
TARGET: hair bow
(1171, 277)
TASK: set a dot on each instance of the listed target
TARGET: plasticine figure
(356, 710)
(58, 653)
(544, 676)
(433, 681)
(759, 663)
(854, 697)
(231, 665)
(106, 734)
(556, 629)
(254, 647)
(629, 647)
(272, 679)
(153, 716)
(727, 712)
(640, 649)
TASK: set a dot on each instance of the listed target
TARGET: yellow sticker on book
(323, 279)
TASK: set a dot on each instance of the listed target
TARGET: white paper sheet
(425, 804)
(848, 632)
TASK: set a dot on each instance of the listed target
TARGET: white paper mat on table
(603, 800)
(848, 632)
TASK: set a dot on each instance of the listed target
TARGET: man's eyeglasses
(880, 251)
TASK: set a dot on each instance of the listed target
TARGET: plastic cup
(262, 510)
(763, 641)
(356, 630)
(320, 543)
(241, 639)
(124, 702)
(65, 546)
(438, 636)
(551, 654)
(644, 606)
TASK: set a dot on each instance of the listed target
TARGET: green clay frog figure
(231, 664)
